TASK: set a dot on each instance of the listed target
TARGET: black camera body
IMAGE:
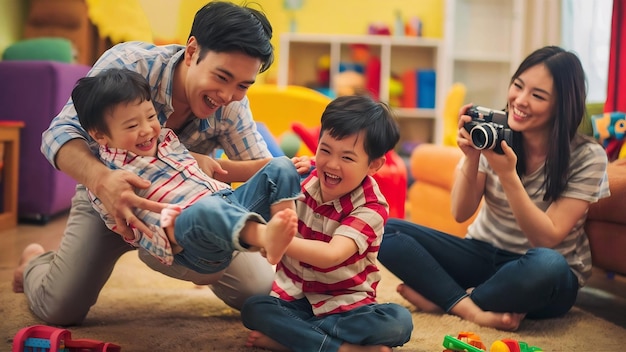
(488, 128)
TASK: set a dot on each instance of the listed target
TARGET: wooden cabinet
(298, 61)
(9, 171)
(483, 44)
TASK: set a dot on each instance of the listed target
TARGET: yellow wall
(345, 16)
(162, 15)
(315, 16)
(11, 20)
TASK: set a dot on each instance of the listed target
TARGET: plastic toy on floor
(42, 338)
(465, 341)
(511, 345)
(470, 342)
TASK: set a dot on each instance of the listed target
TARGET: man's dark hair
(349, 115)
(95, 96)
(222, 26)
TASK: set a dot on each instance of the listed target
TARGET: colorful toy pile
(470, 342)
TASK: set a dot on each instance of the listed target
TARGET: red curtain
(616, 90)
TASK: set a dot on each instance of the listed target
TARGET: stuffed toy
(609, 129)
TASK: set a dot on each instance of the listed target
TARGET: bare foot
(418, 300)
(168, 218)
(258, 339)
(500, 321)
(278, 234)
(346, 347)
(468, 310)
(31, 251)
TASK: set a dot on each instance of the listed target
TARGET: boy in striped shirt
(324, 293)
(115, 108)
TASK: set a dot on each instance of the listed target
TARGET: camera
(488, 128)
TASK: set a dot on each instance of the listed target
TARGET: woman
(526, 254)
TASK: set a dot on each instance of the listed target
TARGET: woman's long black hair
(570, 94)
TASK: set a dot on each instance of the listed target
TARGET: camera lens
(483, 136)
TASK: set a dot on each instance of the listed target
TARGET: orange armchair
(433, 168)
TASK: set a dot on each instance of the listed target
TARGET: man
(199, 91)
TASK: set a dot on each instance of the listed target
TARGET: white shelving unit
(299, 54)
(483, 45)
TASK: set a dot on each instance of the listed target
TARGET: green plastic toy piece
(455, 344)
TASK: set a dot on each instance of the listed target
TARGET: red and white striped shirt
(359, 215)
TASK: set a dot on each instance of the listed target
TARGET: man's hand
(116, 191)
(209, 165)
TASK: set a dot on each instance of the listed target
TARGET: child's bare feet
(168, 216)
(418, 300)
(468, 310)
(168, 219)
(278, 234)
(500, 321)
(258, 339)
(31, 251)
(346, 347)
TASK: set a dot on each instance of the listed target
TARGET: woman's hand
(463, 139)
(502, 164)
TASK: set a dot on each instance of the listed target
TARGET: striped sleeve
(588, 179)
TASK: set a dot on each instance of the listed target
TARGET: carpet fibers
(145, 311)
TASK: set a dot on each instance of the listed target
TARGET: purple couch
(35, 92)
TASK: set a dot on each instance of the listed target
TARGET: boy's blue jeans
(208, 230)
(294, 325)
(441, 267)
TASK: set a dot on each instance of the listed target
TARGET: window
(586, 30)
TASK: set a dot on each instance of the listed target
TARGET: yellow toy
(277, 107)
(453, 103)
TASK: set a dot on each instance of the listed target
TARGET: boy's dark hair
(222, 26)
(349, 115)
(95, 96)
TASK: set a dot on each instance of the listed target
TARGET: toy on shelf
(323, 71)
(470, 342)
(395, 92)
(372, 65)
(349, 83)
(42, 338)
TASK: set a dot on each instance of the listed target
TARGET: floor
(604, 296)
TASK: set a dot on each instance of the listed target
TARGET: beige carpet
(145, 311)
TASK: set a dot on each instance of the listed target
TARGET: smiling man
(199, 91)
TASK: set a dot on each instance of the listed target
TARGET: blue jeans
(208, 230)
(441, 267)
(294, 325)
